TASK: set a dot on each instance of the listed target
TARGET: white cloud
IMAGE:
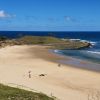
(3, 14)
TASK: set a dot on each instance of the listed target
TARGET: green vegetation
(9, 93)
(40, 40)
(71, 45)
(55, 43)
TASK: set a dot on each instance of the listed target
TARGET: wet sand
(82, 64)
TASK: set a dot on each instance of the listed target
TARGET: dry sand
(65, 82)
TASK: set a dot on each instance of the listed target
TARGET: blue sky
(50, 15)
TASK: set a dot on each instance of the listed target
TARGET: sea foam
(94, 52)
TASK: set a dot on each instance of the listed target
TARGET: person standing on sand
(29, 74)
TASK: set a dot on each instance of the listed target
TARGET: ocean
(91, 54)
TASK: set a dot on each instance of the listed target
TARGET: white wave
(75, 39)
(93, 43)
(94, 52)
(79, 40)
(56, 51)
(84, 41)
(71, 39)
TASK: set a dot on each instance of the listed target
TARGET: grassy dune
(9, 93)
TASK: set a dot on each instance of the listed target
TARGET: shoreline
(63, 82)
(79, 63)
(70, 61)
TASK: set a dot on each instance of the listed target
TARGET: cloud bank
(3, 14)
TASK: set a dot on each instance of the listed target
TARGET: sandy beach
(64, 82)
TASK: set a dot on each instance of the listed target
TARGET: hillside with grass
(40, 40)
(10, 93)
(56, 43)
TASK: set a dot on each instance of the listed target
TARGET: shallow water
(77, 63)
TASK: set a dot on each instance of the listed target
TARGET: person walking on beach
(29, 74)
